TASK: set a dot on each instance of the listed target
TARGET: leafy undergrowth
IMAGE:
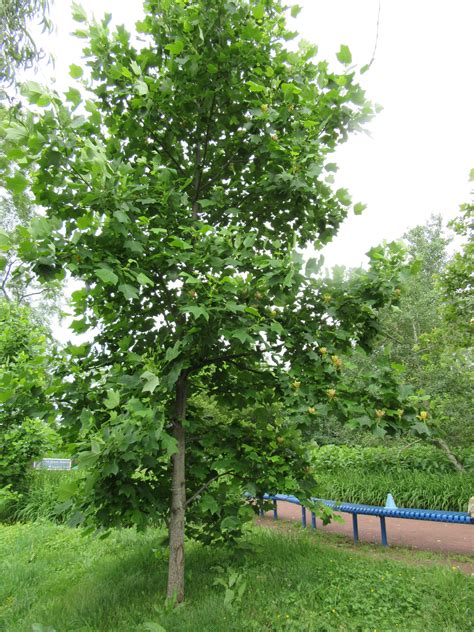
(53, 578)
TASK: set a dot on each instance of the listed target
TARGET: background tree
(180, 194)
(18, 49)
(27, 416)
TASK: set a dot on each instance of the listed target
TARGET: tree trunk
(178, 498)
(444, 446)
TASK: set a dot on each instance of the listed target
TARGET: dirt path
(416, 534)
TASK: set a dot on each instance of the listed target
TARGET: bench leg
(303, 516)
(383, 529)
(313, 520)
(355, 528)
(275, 510)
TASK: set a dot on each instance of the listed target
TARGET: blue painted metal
(371, 510)
(355, 527)
(303, 516)
(383, 529)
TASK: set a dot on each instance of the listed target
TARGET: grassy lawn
(56, 578)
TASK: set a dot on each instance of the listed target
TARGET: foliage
(421, 343)
(181, 194)
(294, 581)
(18, 47)
(390, 460)
(456, 280)
(411, 489)
(21, 444)
(26, 411)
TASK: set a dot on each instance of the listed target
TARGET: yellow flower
(336, 361)
(379, 413)
(423, 415)
(323, 350)
(312, 410)
(327, 298)
(296, 384)
(400, 412)
(331, 393)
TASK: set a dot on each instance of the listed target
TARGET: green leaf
(75, 71)
(107, 276)
(258, 11)
(151, 382)
(144, 280)
(313, 265)
(196, 311)
(128, 291)
(78, 13)
(344, 197)
(209, 504)
(136, 68)
(344, 55)
(252, 310)
(113, 399)
(74, 96)
(212, 69)
(359, 208)
(16, 132)
(142, 88)
(421, 428)
(5, 241)
(180, 243)
(255, 87)
(169, 444)
(176, 47)
(17, 184)
(241, 335)
(295, 10)
(173, 352)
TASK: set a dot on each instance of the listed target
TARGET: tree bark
(175, 589)
(444, 446)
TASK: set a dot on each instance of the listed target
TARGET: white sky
(417, 158)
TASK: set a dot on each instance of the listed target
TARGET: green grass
(53, 576)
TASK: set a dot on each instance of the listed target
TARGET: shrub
(394, 459)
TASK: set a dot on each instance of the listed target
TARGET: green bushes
(421, 490)
(396, 459)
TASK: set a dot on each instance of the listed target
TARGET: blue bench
(434, 515)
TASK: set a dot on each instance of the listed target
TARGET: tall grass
(449, 492)
(40, 501)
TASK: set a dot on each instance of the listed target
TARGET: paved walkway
(417, 534)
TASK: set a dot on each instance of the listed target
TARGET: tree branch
(205, 486)
(223, 358)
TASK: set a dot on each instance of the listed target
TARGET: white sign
(52, 464)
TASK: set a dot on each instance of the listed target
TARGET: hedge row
(415, 458)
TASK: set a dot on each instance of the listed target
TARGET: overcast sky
(417, 158)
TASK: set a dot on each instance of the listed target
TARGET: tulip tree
(180, 184)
